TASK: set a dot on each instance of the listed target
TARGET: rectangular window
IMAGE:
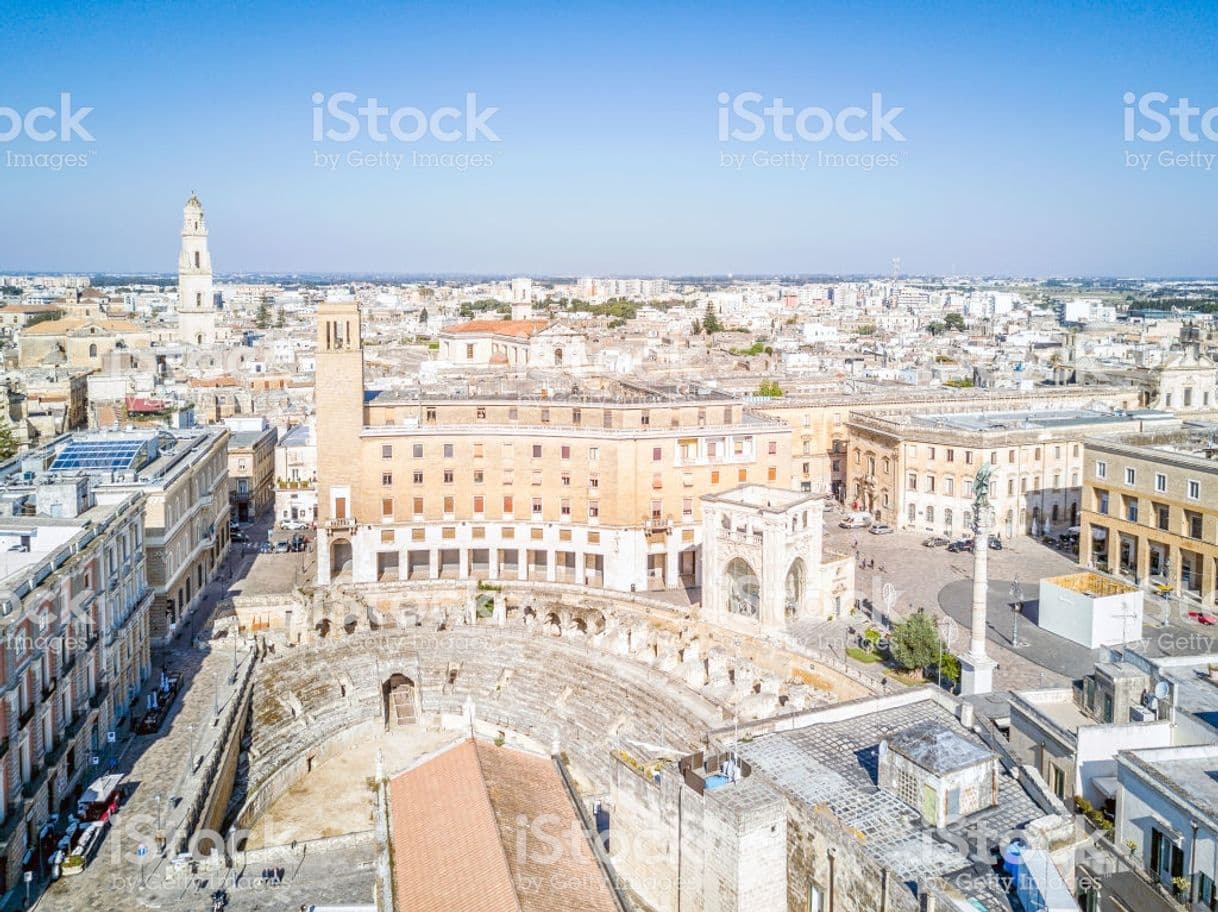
(577, 416)
(714, 476)
(657, 453)
(1193, 523)
(478, 476)
(594, 454)
(1160, 482)
(386, 451)
(594, 509)
(536, 506)
(742, 475)
(1101, 469)
(430, 414)
(417, 451)
(1131, 476)
(479, 503)
(565, 479)
(448, 476)
(565, 452)
(449, 505)
(1194, 489)
(387, 508)
(417, 477)
(772, 448)
(480, 412)
(448, 451)
(386, 479)
(545, 416)
(418, 506)
(912, 482)
(513, 413)
(537, 451)
(507, 505)
(564, 508)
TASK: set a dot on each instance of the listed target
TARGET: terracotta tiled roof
(520, 328)
(446, 851)
(457, 836)
(526, 786)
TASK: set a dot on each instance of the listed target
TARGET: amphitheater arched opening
(340, 557)
(398, 693)
(323, 628)
(794, 588)
(743, 588)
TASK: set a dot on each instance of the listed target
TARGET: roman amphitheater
(356, 681)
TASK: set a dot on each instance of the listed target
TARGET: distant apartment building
(251, 466)
(182, 476)
(296, 475)
(1150, 509)
(915, 469)
(75, 617)
(590, 480)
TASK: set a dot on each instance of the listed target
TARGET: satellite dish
(1162, 690)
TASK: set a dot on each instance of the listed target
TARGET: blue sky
(608, 159)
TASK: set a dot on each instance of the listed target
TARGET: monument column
(977, 668)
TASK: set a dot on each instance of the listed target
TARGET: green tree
(697, 327)
(954, 321)
(423, 315)
(935, 327)
(8, 443)
(710, 322)
(915, 642)
(263, 318)
(280, 319)
(769, 388)
(867, 329)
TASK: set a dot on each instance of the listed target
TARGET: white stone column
(463, 563)
(433, 563)
(492, 562)
(672, 560)
(581, 568)
(977, 669)
(522, 563)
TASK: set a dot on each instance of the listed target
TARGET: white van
(856, 520)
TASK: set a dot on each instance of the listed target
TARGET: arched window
(912, 513)
(93, 350)
(930, 515)
(743, 588)
(947, 518)
(884, 463)
(196, 259)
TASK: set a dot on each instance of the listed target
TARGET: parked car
(936, 541)
(299, 543)
(240, 537)
(856, 520)
(1202, 618)
(293, 525)
(265, 548)
(962, 545)
(282, 547)
(995, 544)
(880, 529)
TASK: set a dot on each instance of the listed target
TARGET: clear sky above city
(617, 138)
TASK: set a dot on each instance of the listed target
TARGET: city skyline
(994, 145)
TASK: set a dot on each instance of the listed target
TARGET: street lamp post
(1016, 610)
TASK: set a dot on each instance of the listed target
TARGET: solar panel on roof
(113, 456)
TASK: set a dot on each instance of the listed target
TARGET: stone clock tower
(196, 299)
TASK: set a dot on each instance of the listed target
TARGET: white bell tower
(196, 299)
